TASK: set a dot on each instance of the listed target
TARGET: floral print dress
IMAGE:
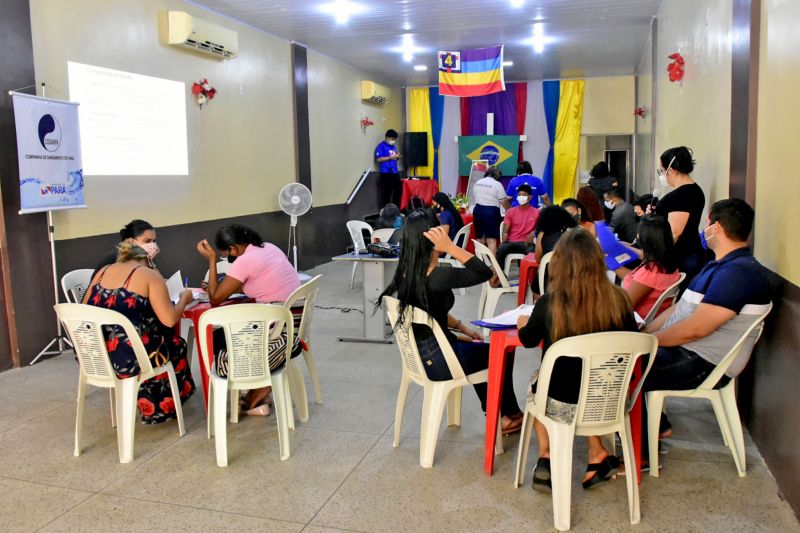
(162, 344)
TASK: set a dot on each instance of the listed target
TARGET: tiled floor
(343, 473)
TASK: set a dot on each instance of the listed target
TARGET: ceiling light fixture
(407, 48)
(508, 63)
(517, 3)
(420, 67)
(539, 39)
(342, 10)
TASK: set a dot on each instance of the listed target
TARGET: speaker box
(415, 149)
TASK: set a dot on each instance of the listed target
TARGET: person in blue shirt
(525, 175)
(448, 215)
(386, 154)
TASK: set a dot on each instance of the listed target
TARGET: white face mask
(523, 199)
(609, 204)
(151, 248)
(390, 142)
(708, 235)
(663, 179)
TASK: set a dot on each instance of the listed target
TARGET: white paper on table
(175, 286)
(509, 318)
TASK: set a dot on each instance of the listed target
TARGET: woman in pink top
(261, 271)
(658, 271)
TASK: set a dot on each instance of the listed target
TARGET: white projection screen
(131, 125)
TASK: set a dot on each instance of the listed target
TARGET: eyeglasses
(662, 171)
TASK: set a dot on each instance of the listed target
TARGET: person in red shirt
(517, 233)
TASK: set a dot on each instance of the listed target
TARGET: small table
(194, 313)
(425, 189)
(501, 342)
(376, 278)
(528, 268)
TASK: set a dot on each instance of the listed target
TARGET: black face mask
(232, 258)
(577, 218)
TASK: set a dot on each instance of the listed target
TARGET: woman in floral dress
(140, 293)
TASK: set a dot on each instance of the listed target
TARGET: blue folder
(617, 254)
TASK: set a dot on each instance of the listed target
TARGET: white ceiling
(589, 37)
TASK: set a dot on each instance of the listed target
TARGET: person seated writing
(657, 272)
(579, 300)
(261, 271)
(623, 218)
(130, 287)
(517, 235)
(421, 282)
(718, 306)
(580, 214)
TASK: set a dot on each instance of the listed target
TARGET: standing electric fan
(295, 200)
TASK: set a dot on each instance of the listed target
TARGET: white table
(378, 272)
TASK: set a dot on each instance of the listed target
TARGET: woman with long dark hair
(658, 270)
(261, 271)
(447, 214)
(580, 214)
(579, 300)
(422, 283)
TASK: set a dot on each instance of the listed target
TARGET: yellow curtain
(568, 139)
(419, 119)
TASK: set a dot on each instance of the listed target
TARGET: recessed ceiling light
(420, 67)
(508, 63)
(539, 40)
(408, 48)
(342, 10)
(517, 3)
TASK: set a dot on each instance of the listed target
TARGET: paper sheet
(507, 319)
(175, 286)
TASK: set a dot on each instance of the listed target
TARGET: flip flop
(514, 426)
(541, 475)
(605, 470)
(261, 410)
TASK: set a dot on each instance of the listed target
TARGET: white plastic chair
(490, 296)
(75, 284)
(608, 363)
(307, 293)
(723, 400)
(435, 393)
(460, 239)
(543, 271)
(83, 324)
(510, 258)
(248, 329)
(383, 234)
(670, 292)
(356, 228)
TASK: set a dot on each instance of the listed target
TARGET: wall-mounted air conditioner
(187, 31)
(374, 93)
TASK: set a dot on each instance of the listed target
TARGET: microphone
(654, 201)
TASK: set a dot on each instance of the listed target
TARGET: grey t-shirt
(623, 222)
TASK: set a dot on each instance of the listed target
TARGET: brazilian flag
(499, 150)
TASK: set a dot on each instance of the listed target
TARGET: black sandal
(605, 470)
(541, 475)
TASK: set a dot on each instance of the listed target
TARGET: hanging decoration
(675, 68)
(640, 112)
(203, 92)
(365, 122)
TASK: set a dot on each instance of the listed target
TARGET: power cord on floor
(341, 309)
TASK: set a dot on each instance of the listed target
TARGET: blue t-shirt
(536, 185)
(385, 150)
(737, 282)
(446, 217)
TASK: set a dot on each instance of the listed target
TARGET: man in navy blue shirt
(720, 304)
(386, 154)
(525, 175)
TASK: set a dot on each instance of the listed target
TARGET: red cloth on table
(425, 189)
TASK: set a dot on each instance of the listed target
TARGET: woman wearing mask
(682, 207)
(141, 295)
(580, 215)
(422, 283)
(261, 271)
(577, 274)
(136, 232)
(447, 214)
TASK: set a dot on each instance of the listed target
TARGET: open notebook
(505, 320)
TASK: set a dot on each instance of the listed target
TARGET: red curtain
(464, 116)
(521, 93)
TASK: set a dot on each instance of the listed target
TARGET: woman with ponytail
(130, 287)
(138, 232)
(262, 272)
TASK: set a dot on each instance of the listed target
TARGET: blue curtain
(437, 122)
(551, 91)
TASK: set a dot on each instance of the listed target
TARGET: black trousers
(391, 190)
(512, 248)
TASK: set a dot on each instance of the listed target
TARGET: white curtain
(535, 149)
(448, 148)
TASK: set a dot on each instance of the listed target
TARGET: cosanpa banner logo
(49, 133)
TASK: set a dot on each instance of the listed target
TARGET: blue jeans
(675, 368)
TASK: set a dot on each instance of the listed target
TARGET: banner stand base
(61, 340)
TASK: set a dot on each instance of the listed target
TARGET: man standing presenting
(386, 155)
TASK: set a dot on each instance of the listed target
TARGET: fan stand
(293, 240)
